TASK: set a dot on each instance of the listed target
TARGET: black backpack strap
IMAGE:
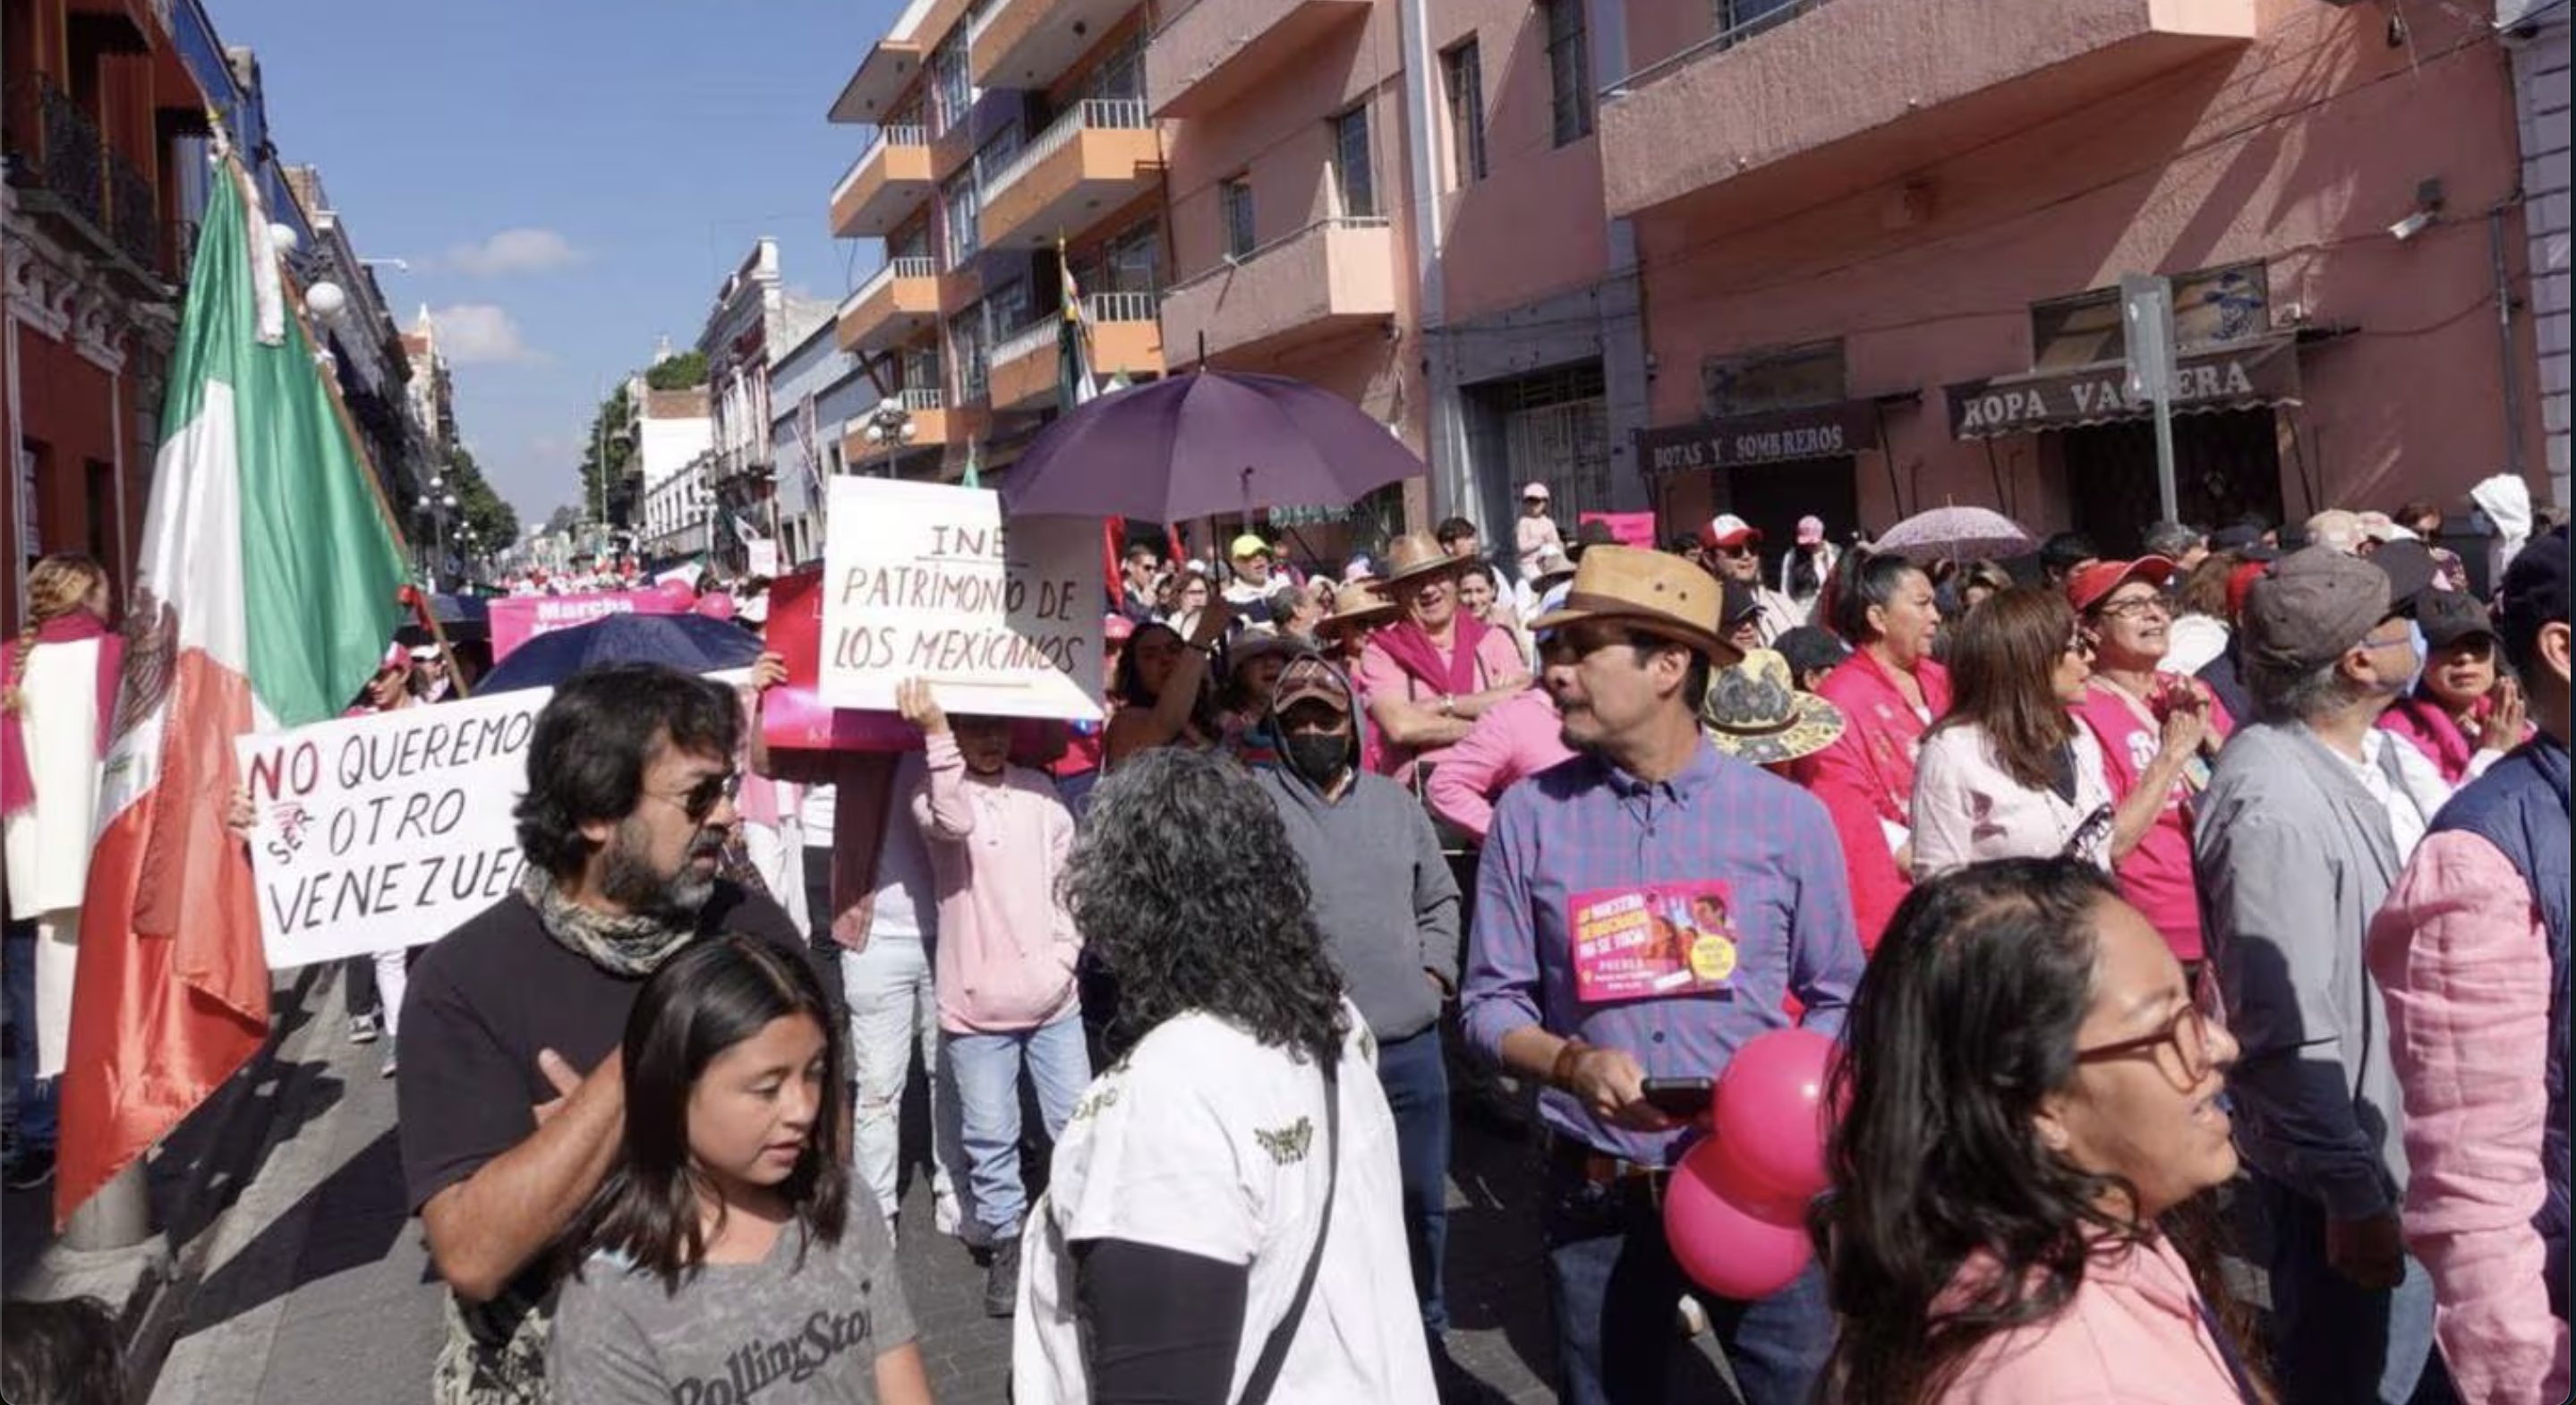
(1274, 1352)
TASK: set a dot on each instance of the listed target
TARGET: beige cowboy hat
(1412, 557)
(1648, 590)
(1755, 714)
(1355, 605)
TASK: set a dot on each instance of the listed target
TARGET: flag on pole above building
(265, 590)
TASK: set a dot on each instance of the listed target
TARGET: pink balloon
(1769, 1114)
(1724, 1247)
(679, 592)
(716, 605)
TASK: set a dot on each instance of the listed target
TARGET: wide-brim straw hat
(1355, 605)
(1647, 590)
(1415, 556)
(1754, 713)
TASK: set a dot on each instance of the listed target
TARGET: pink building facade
(1879, 241)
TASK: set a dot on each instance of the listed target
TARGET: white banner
(924, 580)
(386, 831)
(764, 557)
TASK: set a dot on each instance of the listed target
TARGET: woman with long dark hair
(731, 1226)
(2031, 1123)
(1890, 692)
(1162, 688)
(1238, 1145)
(2010, 773)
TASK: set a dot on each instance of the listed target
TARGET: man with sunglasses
(1648, 818)
(2159, 732)
(512, 1096)
(2302, 832)
(1732, 548)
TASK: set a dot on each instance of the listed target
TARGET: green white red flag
(264, 596)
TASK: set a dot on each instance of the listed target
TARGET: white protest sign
(924, 580)
(763, 556)
(386, 831)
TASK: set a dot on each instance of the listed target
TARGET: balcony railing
(1738, 20)
(67, 159)
(909, 266)
(919, 400)
(1096, 308)
(901, 134)
(1234, 261)
(1098, 114)
(133, 220)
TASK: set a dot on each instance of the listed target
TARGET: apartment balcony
(898, 303)
(870, 95)
(1334, 275)
(936, 423)
(1126, 335)
(1099, 155)
(887, 183)
(1821, 97)
(1028, 44)
(66, 172)
(1213, 53)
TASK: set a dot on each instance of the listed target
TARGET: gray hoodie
(1381, 889)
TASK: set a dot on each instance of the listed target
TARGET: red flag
(1112, 541)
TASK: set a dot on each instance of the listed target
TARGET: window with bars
(998, 151)
(1130, 263)
(1353, 178)
(974, 348)
(960, 206)
(1462, 77)
(952, 86)
(1569, 70)
(1234, 207)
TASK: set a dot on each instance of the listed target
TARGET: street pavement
(317, 1290)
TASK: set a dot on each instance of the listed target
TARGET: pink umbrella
(1960, 533)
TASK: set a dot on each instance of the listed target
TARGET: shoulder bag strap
(1274, 1352)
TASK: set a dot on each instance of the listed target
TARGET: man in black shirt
(512, 1090)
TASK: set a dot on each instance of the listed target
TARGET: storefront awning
(1774, 436)
(2248, 375)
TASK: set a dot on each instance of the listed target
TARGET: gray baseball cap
(2310, 607)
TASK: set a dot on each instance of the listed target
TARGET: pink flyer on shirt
(1655, 940)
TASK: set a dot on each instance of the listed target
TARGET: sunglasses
(701, 800)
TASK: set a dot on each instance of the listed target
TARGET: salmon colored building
(1879, 243)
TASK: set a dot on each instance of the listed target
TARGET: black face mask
(1320, 757)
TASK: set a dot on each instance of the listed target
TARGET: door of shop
(2226, 464)
(1773, 496)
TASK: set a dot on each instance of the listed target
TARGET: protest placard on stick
(385, 831)
(925, 580)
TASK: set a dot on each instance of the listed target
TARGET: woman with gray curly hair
(1225, 1220)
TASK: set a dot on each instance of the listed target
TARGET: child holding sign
(999, 836)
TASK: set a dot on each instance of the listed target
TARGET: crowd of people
(2208, 903)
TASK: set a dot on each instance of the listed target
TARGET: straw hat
(1552, 565)
(1413, 556)
(1755, 714)
(1646, 590)
(1356, 604)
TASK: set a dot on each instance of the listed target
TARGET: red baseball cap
(1116, 627)
(2092, 585)
(1727, 529)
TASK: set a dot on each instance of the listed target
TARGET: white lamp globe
(325, 299)
(284, 239)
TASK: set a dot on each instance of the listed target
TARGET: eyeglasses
(701, 800)
(1739, 549)
(2135, 607)
(2185, 1050)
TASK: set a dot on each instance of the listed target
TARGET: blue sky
(570, 180)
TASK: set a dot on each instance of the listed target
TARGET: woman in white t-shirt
(2009, 773)
(1238, 1145)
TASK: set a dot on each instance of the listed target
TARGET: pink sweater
(2463, 963)
(1521, 736)
(2132, 1335)
(1006, 946)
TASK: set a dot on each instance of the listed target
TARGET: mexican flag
(263, 597)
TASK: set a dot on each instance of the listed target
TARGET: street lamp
(891, 428)
(437, 503)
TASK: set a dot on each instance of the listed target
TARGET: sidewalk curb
(150, 1287)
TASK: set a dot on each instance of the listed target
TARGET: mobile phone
(1680, 1097)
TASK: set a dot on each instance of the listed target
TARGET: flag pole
(427, 609)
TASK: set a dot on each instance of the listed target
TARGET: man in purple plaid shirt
(1643, 910)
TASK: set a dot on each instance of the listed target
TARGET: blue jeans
(1613, 1285)
(983, 1073)
(1416, 1080)
(31, 1097)
(2335, 1342)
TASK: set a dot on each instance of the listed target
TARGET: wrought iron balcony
(57, 148)
(133, 216)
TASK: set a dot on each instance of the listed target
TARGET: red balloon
(1769, 1113)
(1726, 1247)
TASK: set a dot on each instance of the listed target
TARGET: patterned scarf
(632, 945)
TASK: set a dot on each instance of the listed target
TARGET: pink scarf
(1413, 651)
(17, 781)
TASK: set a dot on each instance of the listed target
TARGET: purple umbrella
(1956, 532)
(1200, 444)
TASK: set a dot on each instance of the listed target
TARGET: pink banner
(1631, 528)
(516, 619)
